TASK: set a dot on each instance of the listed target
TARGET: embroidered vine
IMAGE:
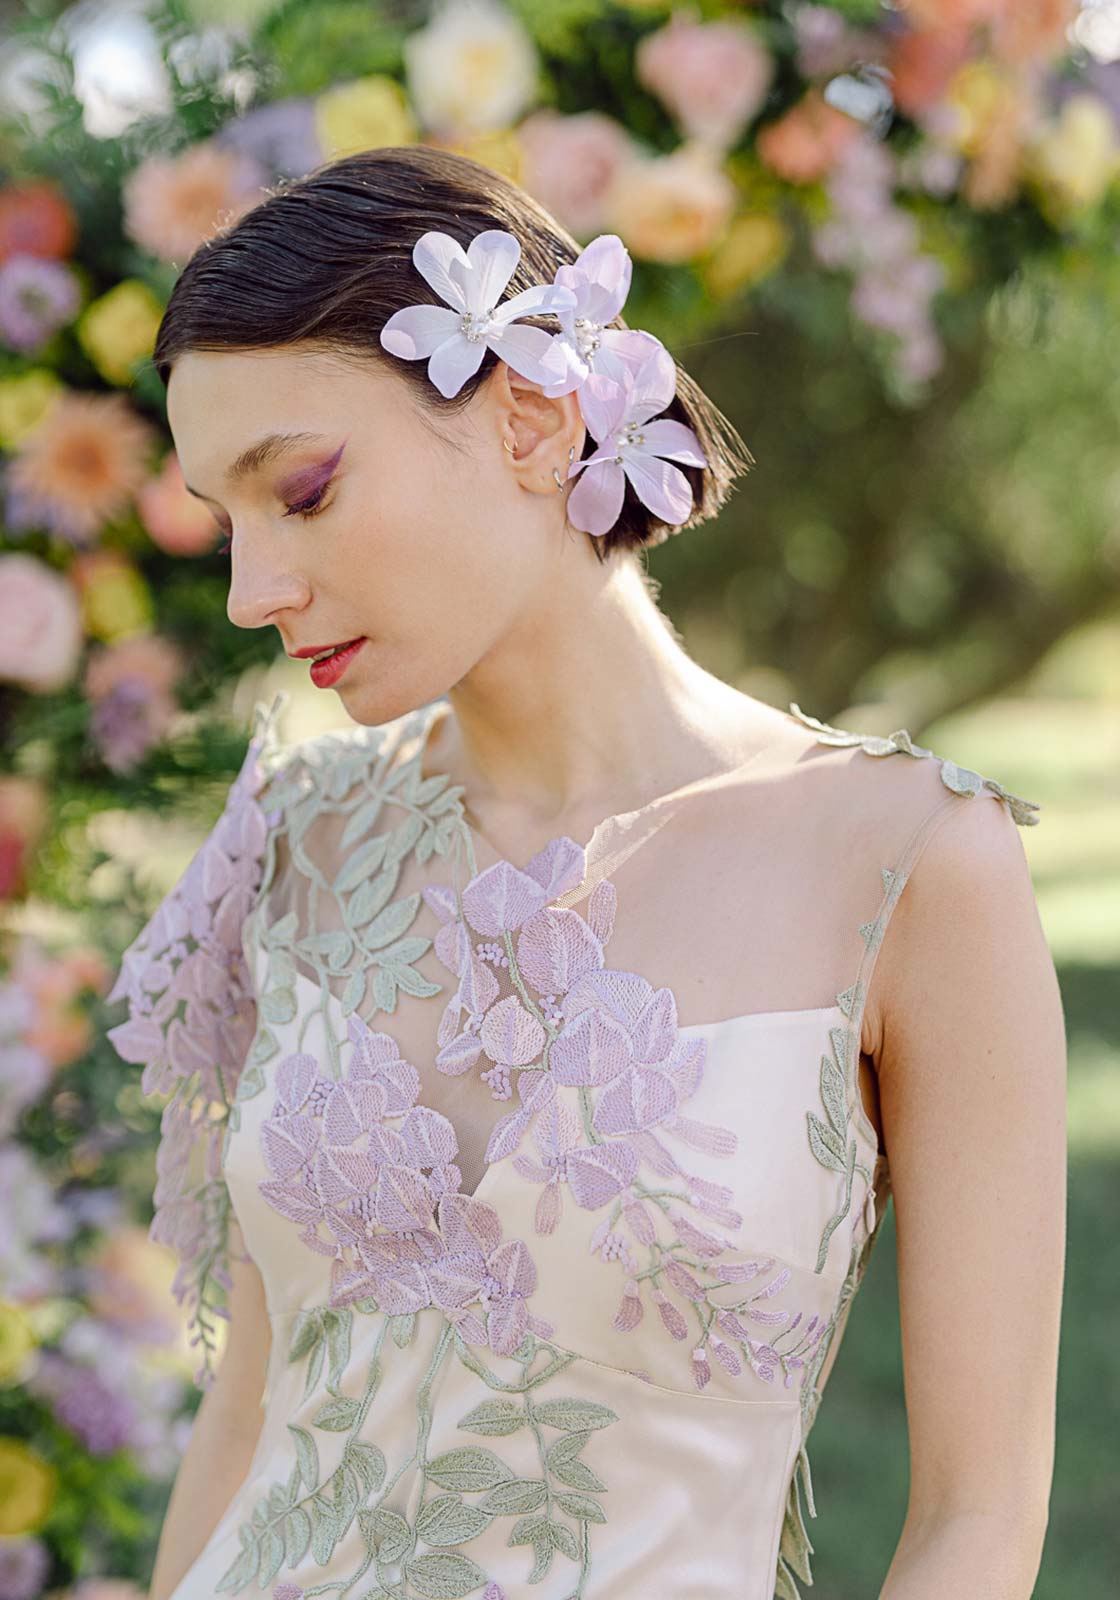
(463, 1490)
(961, 780)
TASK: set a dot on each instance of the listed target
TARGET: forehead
(219, 402)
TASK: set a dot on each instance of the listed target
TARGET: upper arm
(970, 1056)
(244, 1364)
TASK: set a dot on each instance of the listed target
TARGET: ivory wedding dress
(559, 1173)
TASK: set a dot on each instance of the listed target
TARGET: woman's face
(347, 519)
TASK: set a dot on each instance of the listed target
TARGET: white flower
(454, 339)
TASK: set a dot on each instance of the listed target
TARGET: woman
(541, 1067)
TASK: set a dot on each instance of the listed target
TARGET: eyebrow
(259, 454)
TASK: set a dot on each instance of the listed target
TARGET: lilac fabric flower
(24, 1564)
(633, 448)
(37, 296)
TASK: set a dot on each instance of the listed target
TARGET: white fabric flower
(454, 338)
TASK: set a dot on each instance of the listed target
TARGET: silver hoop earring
(559, 480)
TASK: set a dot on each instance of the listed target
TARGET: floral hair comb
(622, 377)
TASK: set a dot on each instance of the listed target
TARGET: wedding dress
(560, 1174)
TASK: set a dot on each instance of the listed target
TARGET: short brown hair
(327, 258)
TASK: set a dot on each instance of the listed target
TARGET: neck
(590, 701)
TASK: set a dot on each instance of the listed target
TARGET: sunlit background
(885, 239)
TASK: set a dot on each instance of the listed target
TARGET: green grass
(1064, 753)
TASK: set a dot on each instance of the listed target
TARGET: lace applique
(362, 1160)
(572, 1022)
(961, 780)
(463, 1490)
(191, 1018)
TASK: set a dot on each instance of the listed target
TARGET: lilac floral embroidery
(571, 1022)
(191, 1020)
(370, 1176)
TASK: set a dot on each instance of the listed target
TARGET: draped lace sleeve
(190, 1022)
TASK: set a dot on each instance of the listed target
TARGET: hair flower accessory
(455, 339)
(622, 377)
(633, 447)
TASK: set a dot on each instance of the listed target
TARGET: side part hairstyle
(326, 259)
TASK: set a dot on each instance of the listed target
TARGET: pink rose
(174, 519)
(40, 625)
(153, 661)
(713, 76)
(569, 164)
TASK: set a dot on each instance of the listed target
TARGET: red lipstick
(329, 669)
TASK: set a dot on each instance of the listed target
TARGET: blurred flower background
(885, 238)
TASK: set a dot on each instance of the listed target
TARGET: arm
(223, 1438)
(969, 1042)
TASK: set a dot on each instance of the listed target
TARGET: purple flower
(128, 722)
(282, 136)
(36, 297)
(24, 1564)
(24, 1074)
(98, 1415)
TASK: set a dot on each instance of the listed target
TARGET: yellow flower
(1075, 157)
(753, 246)
(116, 602)
(980, 97)
(17, 1340)
(499, 149)
(363, 115)
(24, 402)
(27, 1487)
(120, 328)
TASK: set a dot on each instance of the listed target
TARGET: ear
(541, 430)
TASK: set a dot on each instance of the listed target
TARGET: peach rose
(131, 1284)
(671, 208)
(805, 144)
(61, 1027)
(174, 519)
(40, 624)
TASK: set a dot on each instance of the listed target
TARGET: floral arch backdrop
(910, 163)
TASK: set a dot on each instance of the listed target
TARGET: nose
(261, 586)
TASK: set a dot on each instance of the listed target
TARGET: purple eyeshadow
(305, 483)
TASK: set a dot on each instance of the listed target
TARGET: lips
(327, 671)
(319, 650)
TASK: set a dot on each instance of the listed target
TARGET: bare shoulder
(966, 950)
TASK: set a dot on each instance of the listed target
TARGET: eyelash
(307, 509)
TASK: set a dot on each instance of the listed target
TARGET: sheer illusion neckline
(622, 822)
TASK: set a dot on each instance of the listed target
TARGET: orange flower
(805, 144)
(35, 220)
(82, 465)
(922, 63)
(173, 203)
